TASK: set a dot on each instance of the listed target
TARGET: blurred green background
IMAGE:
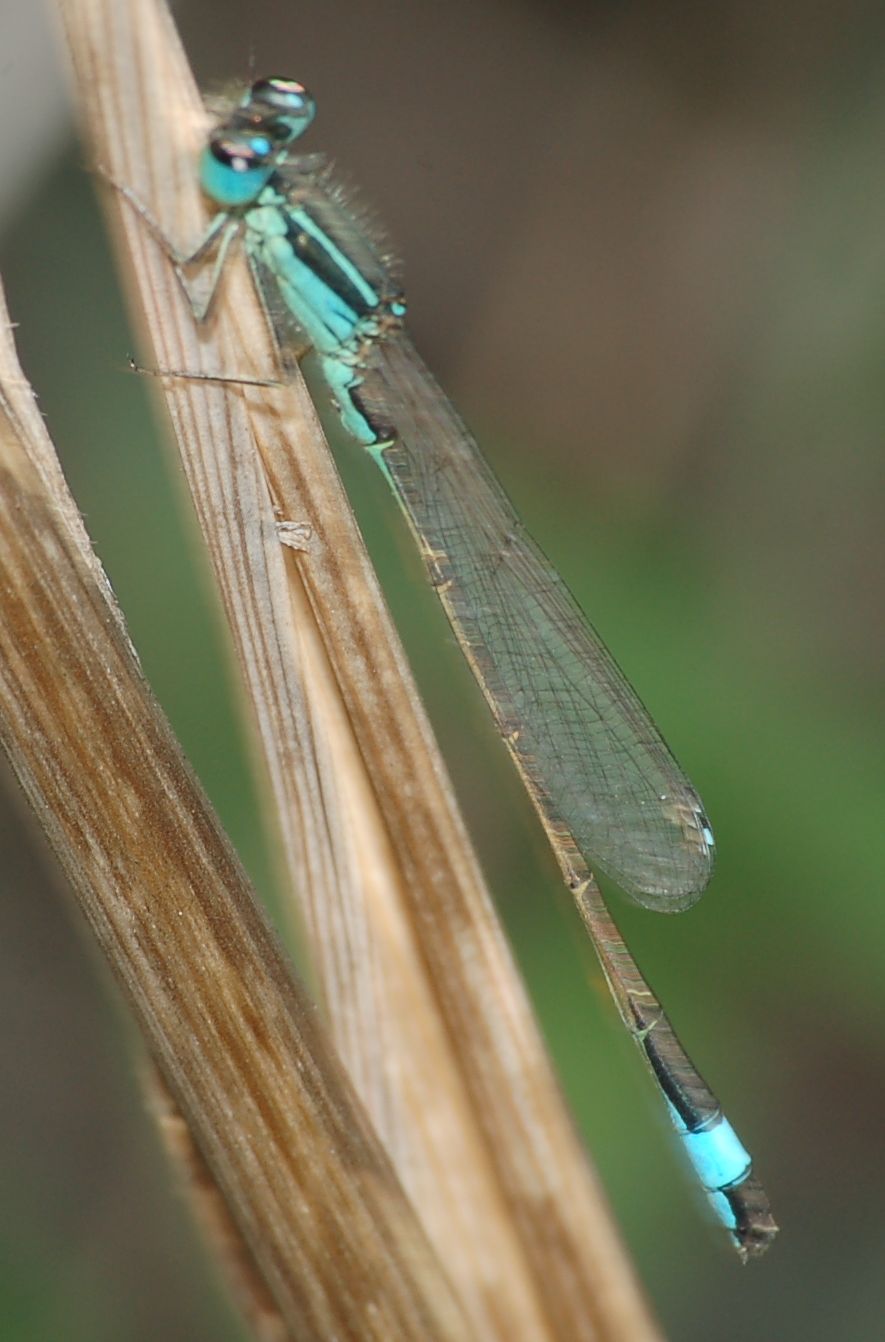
(644, 247)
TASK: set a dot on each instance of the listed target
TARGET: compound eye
(285, 99)
(235, 168)
(286, 95)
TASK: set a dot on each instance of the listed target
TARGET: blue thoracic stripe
(319, 293)
(327, 319)
(313, 244)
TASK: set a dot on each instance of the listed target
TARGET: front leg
(222, 231)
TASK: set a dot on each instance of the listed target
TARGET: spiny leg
(181, 374)
(222, 231)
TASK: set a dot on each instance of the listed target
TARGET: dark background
(644, 247)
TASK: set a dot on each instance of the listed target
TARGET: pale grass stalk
(418, 983)
(316, 1203)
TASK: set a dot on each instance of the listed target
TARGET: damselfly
(608, 791)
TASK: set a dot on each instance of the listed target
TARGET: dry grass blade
(420, 988)
(266, 1103)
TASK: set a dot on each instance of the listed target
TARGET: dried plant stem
(207, 1202)
(273, 1116)
(419, 985)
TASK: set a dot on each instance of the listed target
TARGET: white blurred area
(34, 106)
